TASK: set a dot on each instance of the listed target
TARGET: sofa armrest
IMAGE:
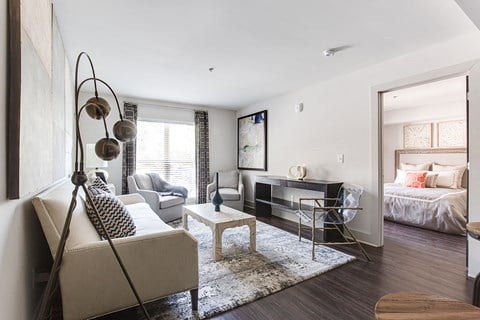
(131, 198)
(159, 264)
(210, 188)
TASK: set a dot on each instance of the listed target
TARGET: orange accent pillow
(415, 179)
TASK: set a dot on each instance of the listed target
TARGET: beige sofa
(160, 260)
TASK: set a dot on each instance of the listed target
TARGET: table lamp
(95, 163)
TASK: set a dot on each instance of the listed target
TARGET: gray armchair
(167, 206)
(230, 188)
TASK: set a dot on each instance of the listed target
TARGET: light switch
(340, 158)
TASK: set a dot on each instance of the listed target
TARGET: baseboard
(249, 204)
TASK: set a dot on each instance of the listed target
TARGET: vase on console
(217, 198)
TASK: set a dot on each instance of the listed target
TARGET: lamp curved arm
(109, 88)
(77, 129)
(83, 53)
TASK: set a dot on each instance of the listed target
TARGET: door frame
(377, 122)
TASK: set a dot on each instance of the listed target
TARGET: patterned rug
(241, 277)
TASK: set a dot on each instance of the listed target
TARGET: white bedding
(437, 209)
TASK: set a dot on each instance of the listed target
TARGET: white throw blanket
(437, 209)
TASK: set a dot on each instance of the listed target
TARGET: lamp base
(92, 174)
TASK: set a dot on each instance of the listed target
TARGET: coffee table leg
(217, 243)
(185, 221)
(253, 236)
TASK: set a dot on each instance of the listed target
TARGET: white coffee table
(219, 221)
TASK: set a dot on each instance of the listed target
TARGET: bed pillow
(430, 180)
(415, 179)
(459, 171)
(400, 178)
(415, 167)
(447, 179)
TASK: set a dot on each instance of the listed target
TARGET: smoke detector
(329, 52)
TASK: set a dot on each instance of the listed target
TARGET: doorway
(424, 156)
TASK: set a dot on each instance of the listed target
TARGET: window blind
(169, 150)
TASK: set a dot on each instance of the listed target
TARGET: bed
(437, 208)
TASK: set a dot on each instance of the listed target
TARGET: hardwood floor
(412, 259)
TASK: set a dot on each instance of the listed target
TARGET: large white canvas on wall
(36, 104)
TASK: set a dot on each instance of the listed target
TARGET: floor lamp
(107, 149)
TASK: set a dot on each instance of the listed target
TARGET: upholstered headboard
(445, 156)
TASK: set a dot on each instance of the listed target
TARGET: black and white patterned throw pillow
(99, 184)
(114, 214)
(95, 191)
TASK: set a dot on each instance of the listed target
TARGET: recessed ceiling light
(211, 69)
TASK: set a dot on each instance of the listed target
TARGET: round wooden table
(417, 305)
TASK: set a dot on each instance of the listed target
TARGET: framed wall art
(417, 136)
(452, 134)
(252, 141)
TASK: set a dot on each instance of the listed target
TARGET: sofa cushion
(146, 221)
(52, 207)
(170, 201)
(228, 179)
(228, 194)
(115, 217)
(99, 184)
(143, 181)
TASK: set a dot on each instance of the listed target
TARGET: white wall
(394, 120)
(22, 244)
(339, 118)
(392, 140)
(442, 112)
(222, 130)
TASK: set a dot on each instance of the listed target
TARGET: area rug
(241, 277)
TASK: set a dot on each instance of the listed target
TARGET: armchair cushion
(228, 194)
(170, 201)
(115, 217)
(228, 179)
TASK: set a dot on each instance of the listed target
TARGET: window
(169, 150)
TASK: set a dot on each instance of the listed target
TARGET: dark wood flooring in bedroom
(412, 259)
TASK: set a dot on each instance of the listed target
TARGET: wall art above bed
(452, 134)
(417, 136)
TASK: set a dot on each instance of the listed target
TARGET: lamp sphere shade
(125, 130)
(107, 149)
(96, 106)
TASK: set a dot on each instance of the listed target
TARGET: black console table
(264, 200)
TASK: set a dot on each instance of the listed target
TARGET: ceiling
(449, 91)
(162, 50)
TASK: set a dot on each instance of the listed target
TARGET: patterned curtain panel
(202, 157)
(129, 148)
